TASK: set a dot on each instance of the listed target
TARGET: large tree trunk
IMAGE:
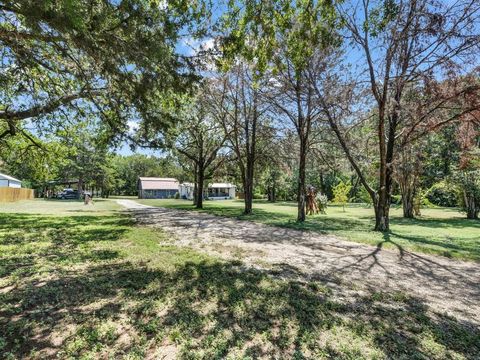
(382, 220)
(200, 181)
(382, 206)
(248, 200)
(301, 181)
(195, 191)
(382, 211)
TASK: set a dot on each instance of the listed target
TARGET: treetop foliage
(115, 59)
(256, 29)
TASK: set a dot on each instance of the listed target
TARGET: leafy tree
(441, 154)
(283, 36)
(408, 51)
(408, 168)
(468, 182)
(200, 139)
(115, 59)
(467, 174)
(36, 165)
(242, 112)
(341, 192)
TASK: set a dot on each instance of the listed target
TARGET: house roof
(187, 184)
(7, 177)
(156, 183)
(221, 185)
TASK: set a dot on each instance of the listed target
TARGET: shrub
(322, 201)
(362, 196)
(177, 195)
(258, 195)
(396, 199)
(442, 194)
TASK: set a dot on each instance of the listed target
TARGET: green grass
(439, 231)
(85, 282)
(60, 207)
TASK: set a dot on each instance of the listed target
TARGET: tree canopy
(115, 59)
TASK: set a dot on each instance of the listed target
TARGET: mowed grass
(439, 231)
(61, 207)
(81, 282)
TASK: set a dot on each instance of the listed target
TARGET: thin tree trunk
(407, 204)
(470, 206)
(301, 181)
(80, 187)
(407, 187)
(195, 185)
(382, 212)
(249, 187)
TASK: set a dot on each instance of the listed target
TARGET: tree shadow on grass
(438, 223)
(212, 309)
(319, 223)
(38, 241)
(19, 221)
(470, 250)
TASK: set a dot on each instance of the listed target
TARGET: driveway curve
(445, 285)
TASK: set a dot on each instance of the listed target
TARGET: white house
(157, 188)
(221, 191)
(8, 181)
(163, 188)
(215, 191)
(186, 190)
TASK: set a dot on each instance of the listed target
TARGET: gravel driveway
(445, 285)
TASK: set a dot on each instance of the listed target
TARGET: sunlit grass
(56, 207)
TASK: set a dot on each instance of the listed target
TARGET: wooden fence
(8, 194)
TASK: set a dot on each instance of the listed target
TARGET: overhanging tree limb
(46, 108)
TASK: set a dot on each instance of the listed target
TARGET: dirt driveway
(447, 286)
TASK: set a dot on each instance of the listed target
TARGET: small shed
(221, 191)
(9, 181)
(157, 188)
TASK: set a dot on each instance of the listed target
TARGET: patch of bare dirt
(446, 285)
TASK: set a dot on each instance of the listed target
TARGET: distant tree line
(381, 97)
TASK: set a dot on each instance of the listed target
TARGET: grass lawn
(84, 282)
(439, 231)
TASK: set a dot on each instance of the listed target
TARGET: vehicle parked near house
(68, 194)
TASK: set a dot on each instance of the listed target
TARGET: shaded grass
(439, 231)
(96, 286)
